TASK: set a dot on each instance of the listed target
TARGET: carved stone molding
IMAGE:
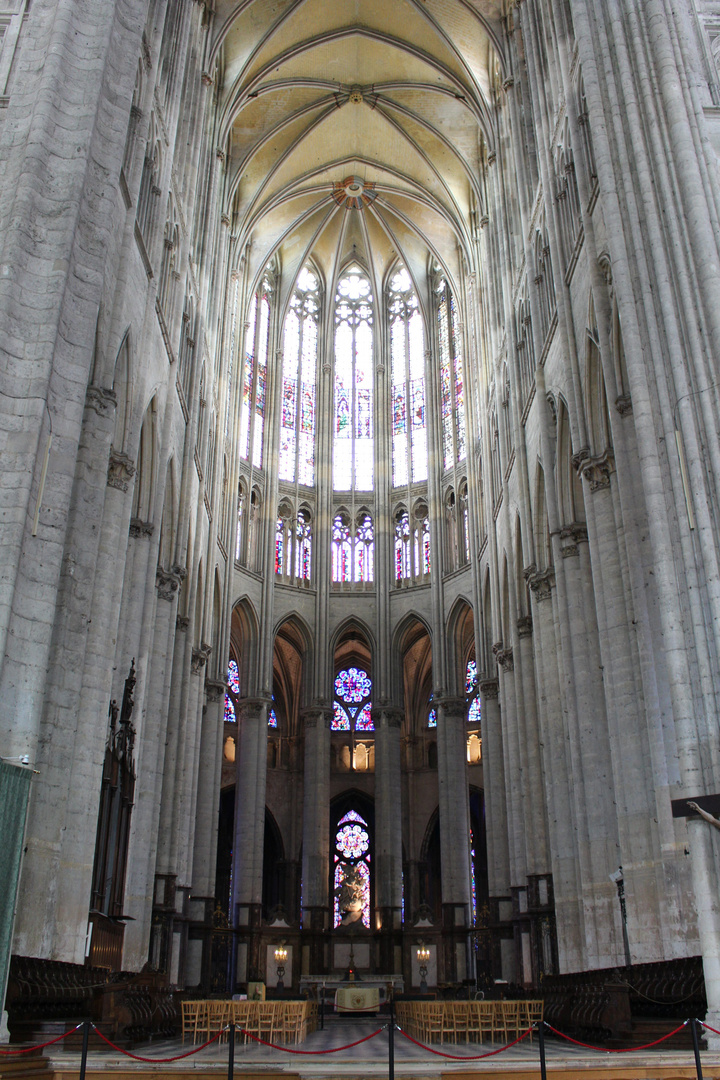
(102, 401)
(525, 626)
(582, 455)
(200, 658)
(215, 690)
(598, 470)
(167, 582)
(317, 716)
(141, 529)
(623, 404)
(451, 706)
(503, 656)
(182, 622)
(541, 583)
(392, 717)
(571, 536)
(121, 470)
(490, 688)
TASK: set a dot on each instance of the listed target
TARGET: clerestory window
(297, 420)
(257, 336)
(353, 442)
(407, 353)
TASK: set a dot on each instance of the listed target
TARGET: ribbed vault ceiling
(356, 127)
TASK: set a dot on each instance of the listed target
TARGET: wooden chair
(433, 1022)
(218, 1018)
(266, 1020)
(509, 1020)
(191, 1011)
(240, 1014)
(474, 1029)
(448, 1032)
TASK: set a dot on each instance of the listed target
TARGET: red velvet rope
(160, 1061)
(708, 1027)
(41, 1046)
(463, 1057)
(288, 1050)
(607, 1050)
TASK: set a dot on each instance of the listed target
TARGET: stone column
(316, 903)
(454, 835)
(251, 776)
(494, 781)
(388, 831)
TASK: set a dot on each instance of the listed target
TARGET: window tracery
(452, 386)
(407, 351)
(352, 710)
(297, 420)
(257, 338)
(412, 545)
(351, 882)
(353, 441)
(293, 543)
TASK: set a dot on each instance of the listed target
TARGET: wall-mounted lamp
(423, 959)
(281, 955)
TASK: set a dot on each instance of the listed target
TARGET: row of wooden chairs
(271, 1021)
(468, 1021)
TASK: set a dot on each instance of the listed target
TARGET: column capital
(167, 582)
(541, 583)
(215, 689)
(101, 400)
(317, 716)
(388, 715)
(451, 706)
(200, 658)
(490, 688)
(255, 708)
(598, 470)
(121, 470)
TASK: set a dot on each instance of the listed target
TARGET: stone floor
(370, 1059)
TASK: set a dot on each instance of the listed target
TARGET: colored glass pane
(363, 720)
(297, 438)
(340, 720)
(432, 718)
(471, 677)
(364, 550)
(474, 711)
(408, 382)
(353, 387)
(341, 560)
(353, 685)
(229, 710)
(233, 677)
(362, 870)
(279, 545)
(352, 841)
(272, 719)
(352, 815)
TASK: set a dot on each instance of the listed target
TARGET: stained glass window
(407, 353)
(303, 546)
(233, 681)
(352, 708)
(364, 568)
(252, 414)
(297, 413)
(353, 442)
(412, 545)
(471, 693)
(351, 857)
(341, 551)
(473, 887)
(272, 718)
(240, 513)
(452, 387)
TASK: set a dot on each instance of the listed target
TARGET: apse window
(353, 441)
(407, 352)
(352, 871)
(472, 698)
(297, 413)
(452, 384)
(352, 710)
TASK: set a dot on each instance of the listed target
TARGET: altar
(357, 998)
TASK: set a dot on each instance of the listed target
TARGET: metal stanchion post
(83, 1058)
(231, 1051)
(696, 1047)
(541, 1044)
(391, 1043)
(322, 1009)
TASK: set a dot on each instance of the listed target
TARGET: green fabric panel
(14, 791)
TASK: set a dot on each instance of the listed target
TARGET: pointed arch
(244, 643)
(122, 383)
(460, 638)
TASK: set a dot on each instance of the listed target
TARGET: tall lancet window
(407, 351)
(257, 336)
(353, 442)
(452, 383)
(297, 418)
